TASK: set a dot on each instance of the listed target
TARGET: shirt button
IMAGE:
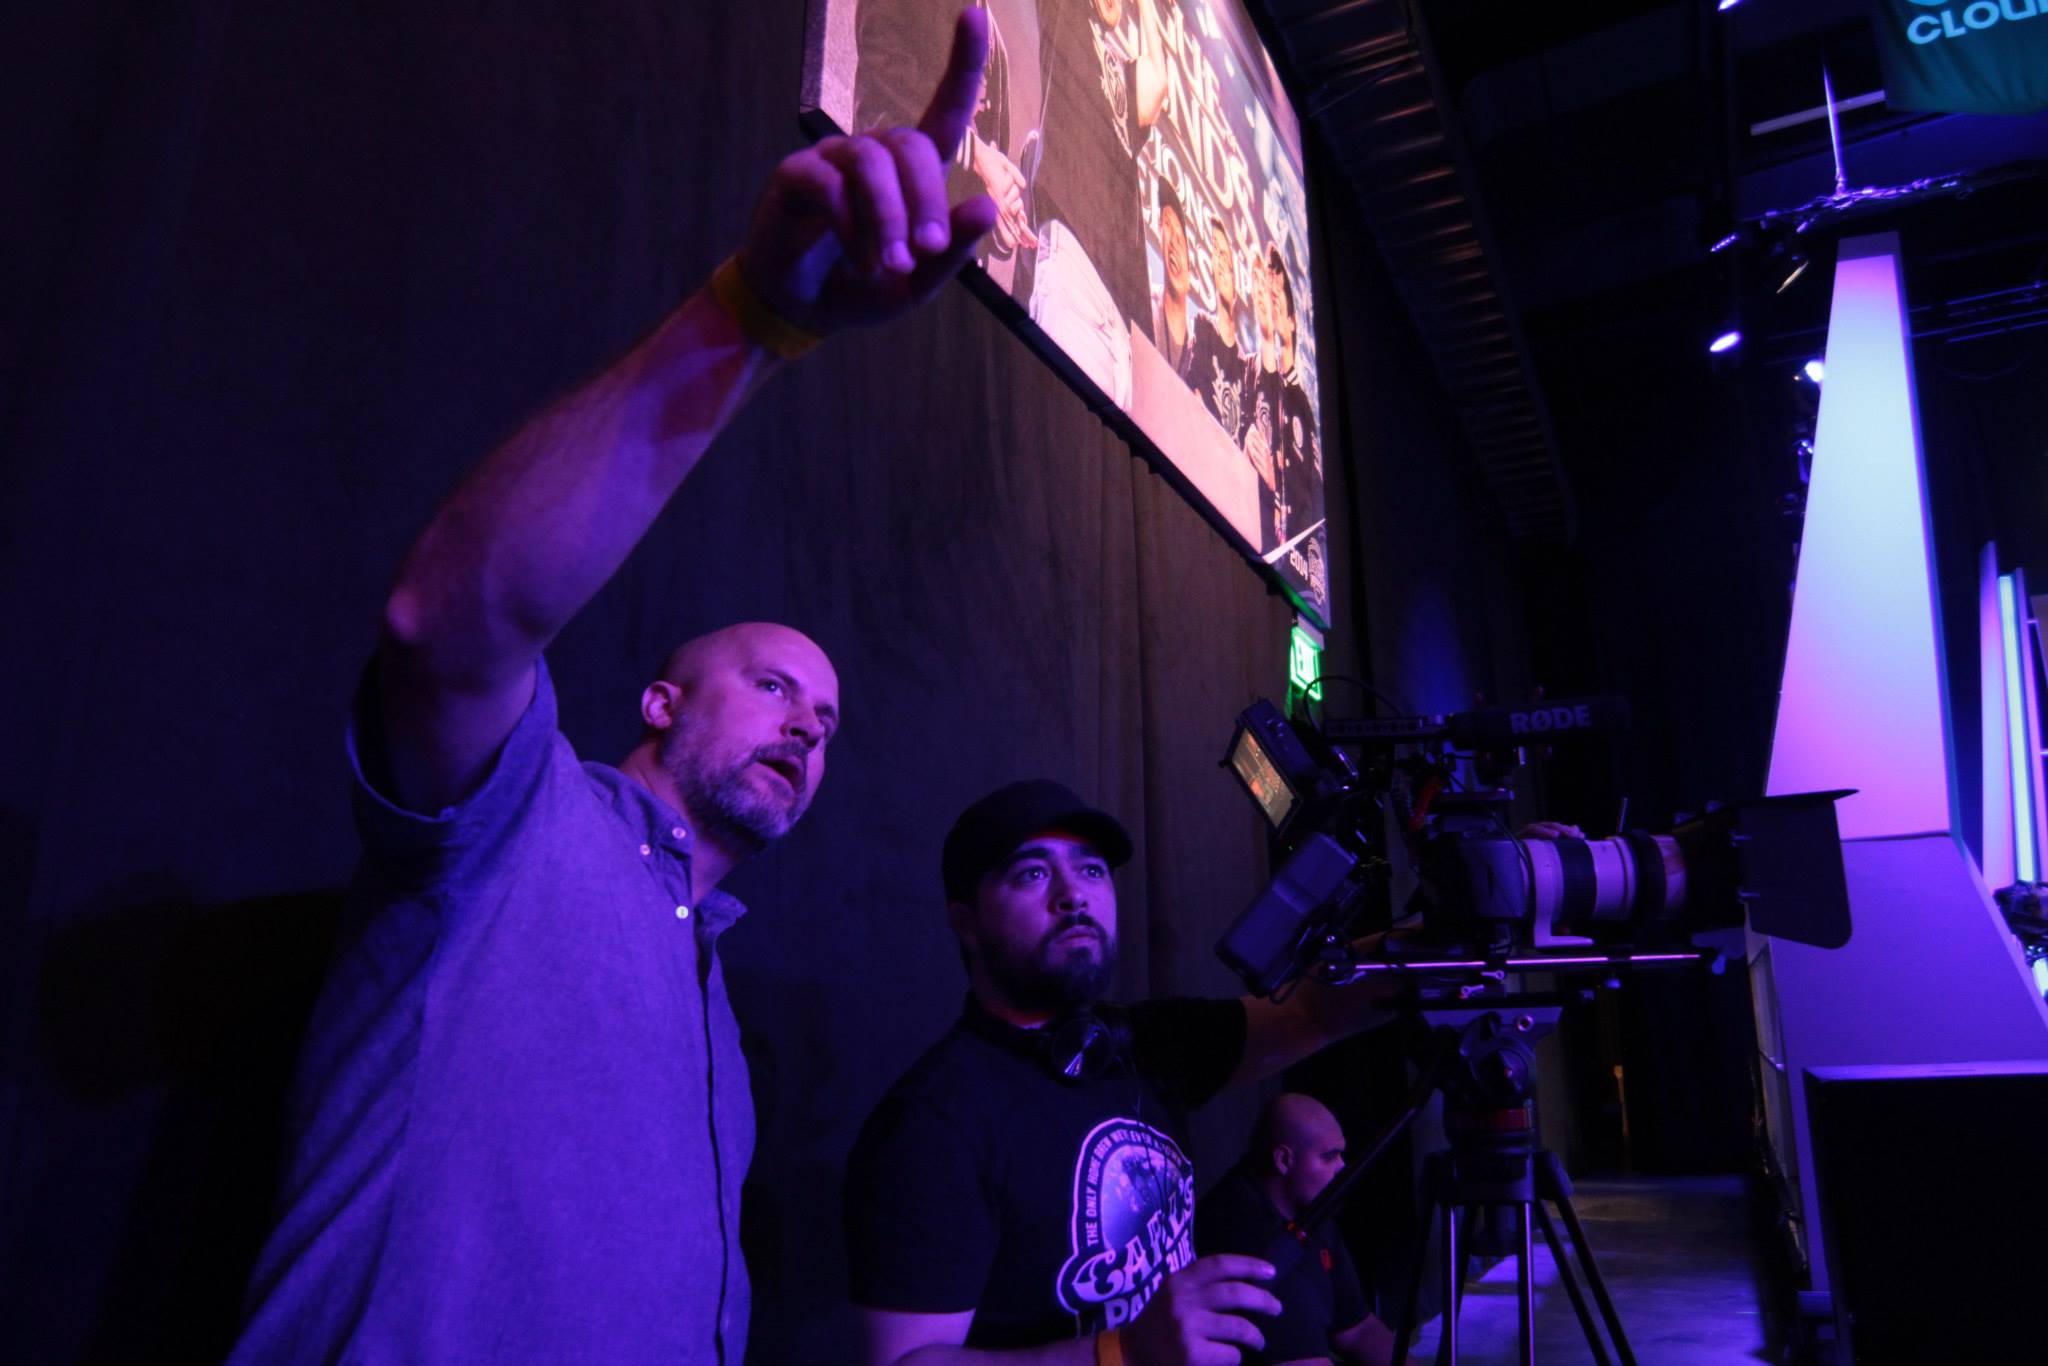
(682, 912)
(646, 850)
(678, 832)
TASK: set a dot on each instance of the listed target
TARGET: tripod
(1493, 1172)
(1495, 1169)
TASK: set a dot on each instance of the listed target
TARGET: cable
(1399, 710)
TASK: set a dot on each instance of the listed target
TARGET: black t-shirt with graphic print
(1051, 1208)
(1087, 173)
(1301, 472)
(1280, 407)
(1221, 377)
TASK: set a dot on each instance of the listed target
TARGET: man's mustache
(796, 754)
(1075, 922)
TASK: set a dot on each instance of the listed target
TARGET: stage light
(1727, 341)
(1799, 264)
(1730, 240)
(1727, 4)
(1814, 370)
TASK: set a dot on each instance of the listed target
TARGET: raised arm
(1315, 1016)
(849, 232)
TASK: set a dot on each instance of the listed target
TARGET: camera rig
(1492, 901)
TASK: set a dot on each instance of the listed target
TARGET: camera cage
(1775, 861)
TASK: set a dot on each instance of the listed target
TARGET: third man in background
(1296, 1150)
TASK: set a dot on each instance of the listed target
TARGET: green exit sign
(1305, 664)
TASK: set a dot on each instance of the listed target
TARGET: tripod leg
(1571, 1287)
(1404, 1327)
(1467, 1218)
(1454, 1285)
(1561, 1193)
(1525, 1288)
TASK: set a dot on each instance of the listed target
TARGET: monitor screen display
(1256, 771)
(1153, 232)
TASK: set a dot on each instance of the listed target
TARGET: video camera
(1491, 900)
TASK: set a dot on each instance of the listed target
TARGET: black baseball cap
(989, 830)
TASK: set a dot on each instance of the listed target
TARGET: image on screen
(1255, 770)
(1153, 233)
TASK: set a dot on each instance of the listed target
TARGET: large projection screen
(1154, 242)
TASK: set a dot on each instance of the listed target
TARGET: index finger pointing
(946, 117)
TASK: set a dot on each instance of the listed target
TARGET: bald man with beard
(1296, 1150)
(521, 1121)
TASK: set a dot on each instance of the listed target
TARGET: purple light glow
(1727, 341)
(2031, 664)
(1862, 705)
(1727, 4)
(1861, 701)
(1590, 960)
(2019, 729)
(1995, 758)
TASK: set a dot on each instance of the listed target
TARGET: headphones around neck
(1080, 1045)
(1084, 1043)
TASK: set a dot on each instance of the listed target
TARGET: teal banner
(1964, 56)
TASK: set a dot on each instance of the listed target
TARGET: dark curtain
(274, 277)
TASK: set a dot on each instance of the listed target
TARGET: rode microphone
(1537, 723)
(1533, 723)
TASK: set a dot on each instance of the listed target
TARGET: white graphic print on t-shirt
(1133, 1221)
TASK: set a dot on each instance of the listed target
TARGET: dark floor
(1679, 1259)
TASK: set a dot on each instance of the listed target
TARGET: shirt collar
(655, 823)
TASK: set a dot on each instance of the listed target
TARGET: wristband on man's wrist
(1109, 1348)
(761, 324)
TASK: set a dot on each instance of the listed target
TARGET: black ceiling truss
(1368, 83)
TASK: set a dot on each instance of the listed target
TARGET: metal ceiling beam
(1380, 105)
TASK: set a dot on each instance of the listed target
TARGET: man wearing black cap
(1024, 1186)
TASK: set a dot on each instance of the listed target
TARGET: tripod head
(1493, 1059)
(1482, 1056)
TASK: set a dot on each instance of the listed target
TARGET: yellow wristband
(762, 325)
(1109, 1349)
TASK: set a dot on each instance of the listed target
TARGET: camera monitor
(1254, 768)
(1278, 772)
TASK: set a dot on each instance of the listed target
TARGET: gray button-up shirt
(522, 1118)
